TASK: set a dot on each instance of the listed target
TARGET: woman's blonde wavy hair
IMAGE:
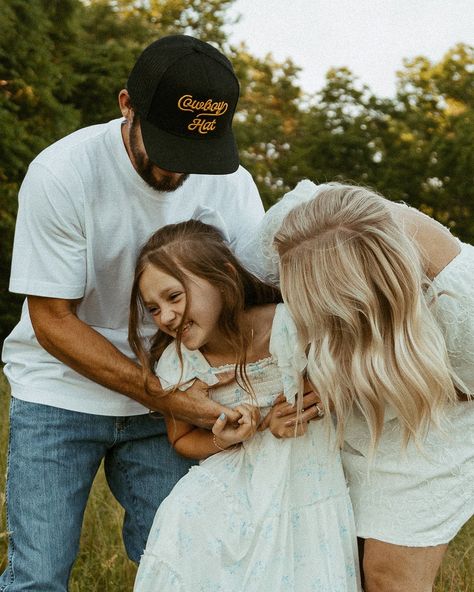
(354, 283)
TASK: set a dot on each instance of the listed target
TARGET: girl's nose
(167, 315)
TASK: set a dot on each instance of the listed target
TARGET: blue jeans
(54, 455)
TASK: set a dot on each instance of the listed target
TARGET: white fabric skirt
(272, 516)
(418, 497)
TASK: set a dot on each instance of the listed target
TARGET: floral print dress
(273, 515)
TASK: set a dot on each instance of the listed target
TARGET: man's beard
(144, 166)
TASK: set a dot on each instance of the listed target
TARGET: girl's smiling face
(165, 297)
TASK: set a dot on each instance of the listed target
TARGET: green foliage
(417, 147)
(437, 114)
(266, 118)
(35, 86)
(10, 304)
(335, 139)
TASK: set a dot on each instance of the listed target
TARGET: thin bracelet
(214, 441)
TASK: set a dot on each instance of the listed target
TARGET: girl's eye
(175, 295)
(154, 310)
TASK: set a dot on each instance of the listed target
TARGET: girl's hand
(227, 434)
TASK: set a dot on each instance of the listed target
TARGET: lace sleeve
(259, 254)
(454, 311)
(288, 351)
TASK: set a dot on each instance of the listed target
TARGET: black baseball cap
(186, 92)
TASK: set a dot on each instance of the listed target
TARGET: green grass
(102, 565)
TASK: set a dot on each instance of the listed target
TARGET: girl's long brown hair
(200, 249)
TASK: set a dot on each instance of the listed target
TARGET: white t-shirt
(84, 213)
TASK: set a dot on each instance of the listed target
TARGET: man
(87, 204)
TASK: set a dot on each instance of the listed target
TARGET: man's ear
(125, 104)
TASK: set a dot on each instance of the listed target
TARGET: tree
(438, 111)
(266, 119)
(35, 85)
(341, 133)
(417, 147)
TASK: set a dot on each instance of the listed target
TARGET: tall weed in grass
(457, 570)
(102, 565)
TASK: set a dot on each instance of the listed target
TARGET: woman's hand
(282, 418)
(227, 434)
(278, 423)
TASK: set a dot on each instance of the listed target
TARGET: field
(102, 565)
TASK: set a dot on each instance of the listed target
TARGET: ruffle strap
(287, 349)
(169, 370)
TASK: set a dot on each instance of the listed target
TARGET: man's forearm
(86, 351)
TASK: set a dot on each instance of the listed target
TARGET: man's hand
(188, 406)
(227, 434)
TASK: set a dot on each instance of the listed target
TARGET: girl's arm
(190, 441)
(197, 443)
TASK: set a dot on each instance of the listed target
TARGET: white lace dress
(271, 516)
(416, 498)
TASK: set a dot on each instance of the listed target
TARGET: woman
(385, 296)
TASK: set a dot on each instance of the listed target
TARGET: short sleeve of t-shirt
(49, 252)
(246, 212)
(232, 204)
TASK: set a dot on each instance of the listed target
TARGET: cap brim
(204, 156)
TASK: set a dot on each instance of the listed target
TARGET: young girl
(388, 346)
(259, 513)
